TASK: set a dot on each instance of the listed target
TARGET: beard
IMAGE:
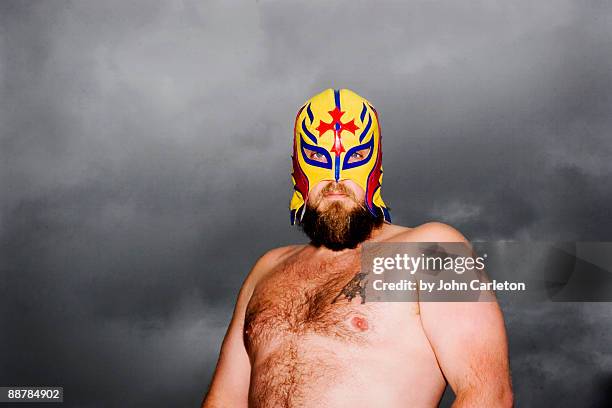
(337, 227)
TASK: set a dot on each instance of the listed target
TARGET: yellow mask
(337, 137)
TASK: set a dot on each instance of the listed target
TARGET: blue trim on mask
(366, 130)
(386, 213)
(347, 156)
(337, 172)
(363, 112)
(307, 132)
(310, 114)
(327, 165)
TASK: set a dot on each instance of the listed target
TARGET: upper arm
(469, 341)
(230, 383)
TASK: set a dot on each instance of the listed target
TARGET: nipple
(360, 323)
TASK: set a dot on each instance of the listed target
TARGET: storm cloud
(145, 162)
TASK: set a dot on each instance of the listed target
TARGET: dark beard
(337, 228)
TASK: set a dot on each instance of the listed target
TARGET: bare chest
(302, 298)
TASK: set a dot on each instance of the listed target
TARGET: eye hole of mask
(315, 156)
(359, 155)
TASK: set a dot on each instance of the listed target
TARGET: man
(302, 333)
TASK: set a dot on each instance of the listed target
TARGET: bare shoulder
(269, 260)
(275, 256)
(262, 266)
(428, 232)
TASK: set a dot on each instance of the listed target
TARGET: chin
(338, 225)
(344, 202)
(336, 207)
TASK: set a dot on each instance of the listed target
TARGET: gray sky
(144, 166)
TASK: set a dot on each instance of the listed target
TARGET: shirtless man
(303, 336)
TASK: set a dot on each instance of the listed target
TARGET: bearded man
(304, 335)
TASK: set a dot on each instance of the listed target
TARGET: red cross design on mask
(337, 126)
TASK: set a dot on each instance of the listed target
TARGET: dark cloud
(144, 166)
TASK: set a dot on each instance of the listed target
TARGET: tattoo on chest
(356, 286)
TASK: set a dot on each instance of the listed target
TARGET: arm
(469, 341)
(230, 383)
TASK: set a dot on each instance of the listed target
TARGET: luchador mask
(337, 137)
